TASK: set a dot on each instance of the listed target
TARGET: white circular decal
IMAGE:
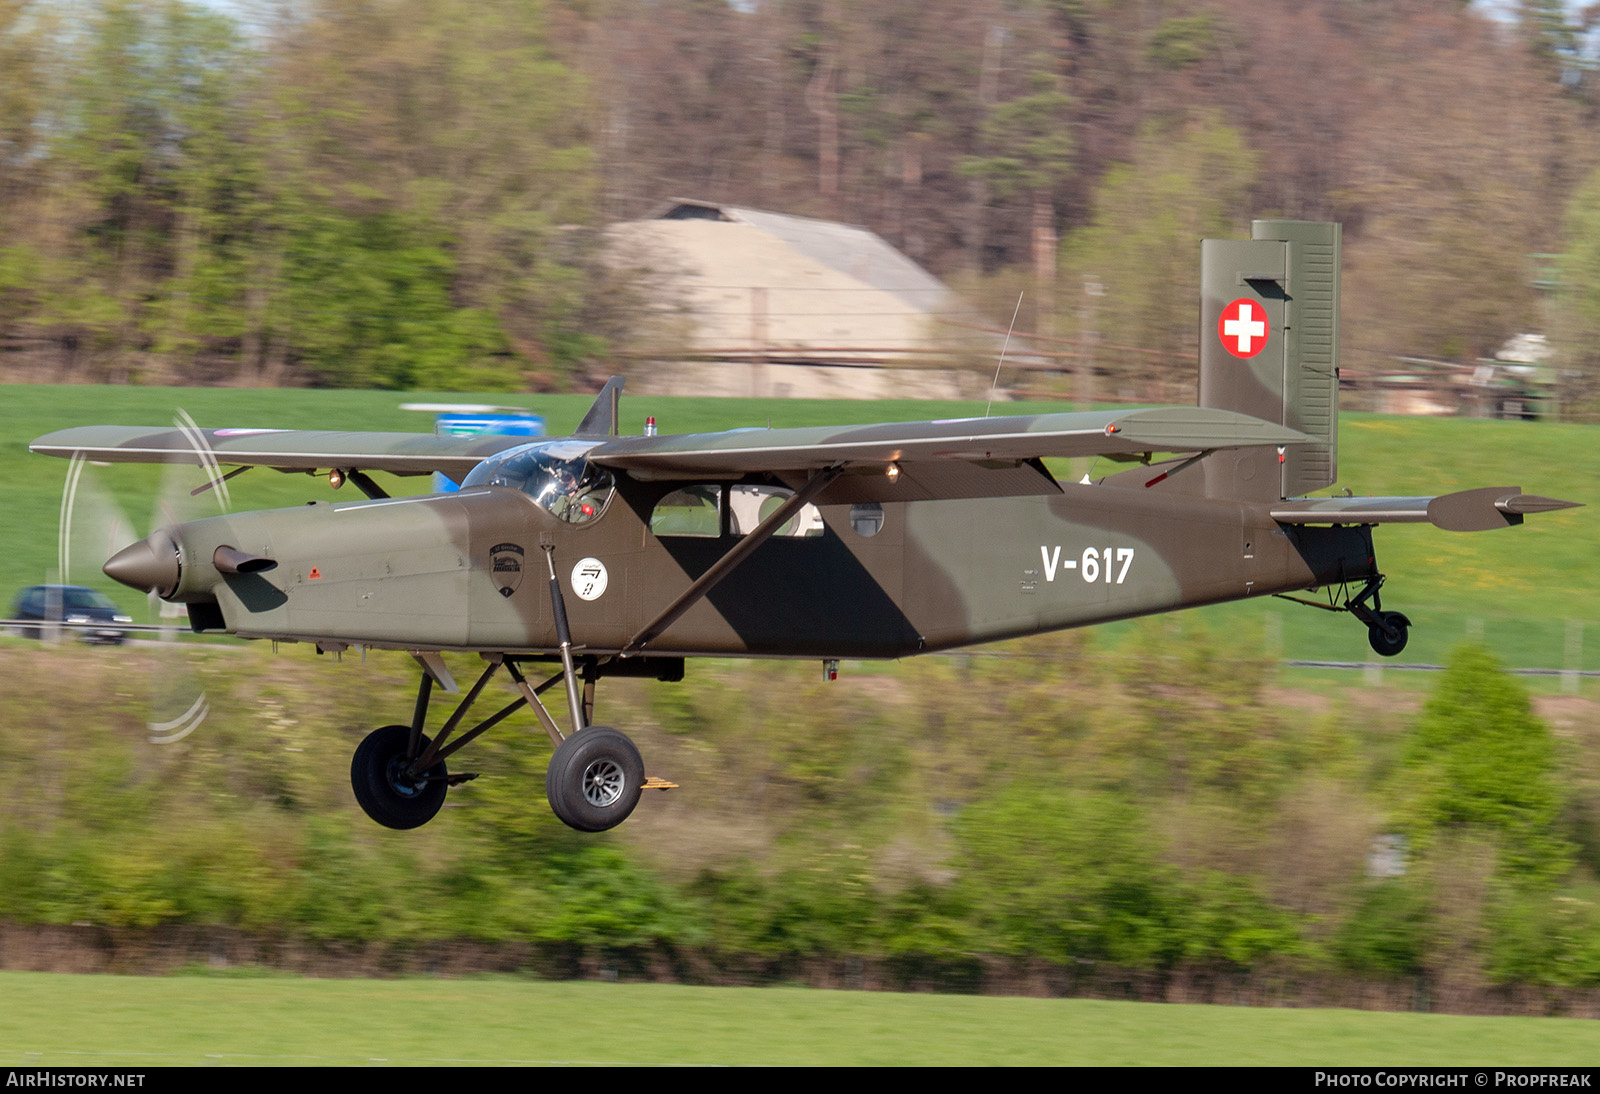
(589, 579)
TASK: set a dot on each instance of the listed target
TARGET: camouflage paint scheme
(938, 574)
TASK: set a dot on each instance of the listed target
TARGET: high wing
(1464, 511)
(285, 449)
(950, 458)
(964, 457)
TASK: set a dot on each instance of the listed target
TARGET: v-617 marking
(1092, 566)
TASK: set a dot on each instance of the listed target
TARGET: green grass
(105, 1021)
(1526, 591)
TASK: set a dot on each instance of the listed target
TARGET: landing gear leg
(1387, 637)
(398, 772)
(1386, 631)
(596, 773)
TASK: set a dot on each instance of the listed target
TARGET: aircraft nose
(151, 565)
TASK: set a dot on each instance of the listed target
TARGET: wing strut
(725, 565)
(218, 481)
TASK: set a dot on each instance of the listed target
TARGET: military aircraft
(601, 555)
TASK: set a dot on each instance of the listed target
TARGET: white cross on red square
(1243, 328)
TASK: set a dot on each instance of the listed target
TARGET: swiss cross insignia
(1243, 328)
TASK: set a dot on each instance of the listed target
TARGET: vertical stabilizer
(1269, 347)
(601, 421)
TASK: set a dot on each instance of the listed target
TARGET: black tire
(1388, 636)
(377, 775)
(594, 779)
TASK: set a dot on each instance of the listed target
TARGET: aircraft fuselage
(468, 571)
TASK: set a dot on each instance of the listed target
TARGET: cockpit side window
(557, 478)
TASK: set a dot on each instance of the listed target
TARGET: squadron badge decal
(506, 565)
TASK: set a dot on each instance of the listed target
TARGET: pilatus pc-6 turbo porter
(603, 555)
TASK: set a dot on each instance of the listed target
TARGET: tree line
(371, 194)
(413, 193)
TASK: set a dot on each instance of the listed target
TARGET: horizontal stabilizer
(1465, 511)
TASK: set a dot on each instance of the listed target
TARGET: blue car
(82, 611)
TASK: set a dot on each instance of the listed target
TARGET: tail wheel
(1388, 635)
(594, 779)
(384, 791)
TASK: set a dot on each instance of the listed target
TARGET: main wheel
(1388, 636)
(594, 779)
(378, 776)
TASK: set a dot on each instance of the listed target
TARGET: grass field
(109, 1021)
(1529, 592)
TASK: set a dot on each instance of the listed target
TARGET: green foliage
(344, 890)
(1229, 921)
(598, 896)
(824, 904)
(929, 921)
(1196, 719)
(1075, 876)
(1578, 295)
(381, 196)
(1479, 760)
(1183, 41)
(1388, 933)
(370, 300)
(1186, 180)
(1545, 937)
(1068, 876)
(1030, 147)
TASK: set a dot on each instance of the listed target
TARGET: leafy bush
(1480, 760)
(1387, 935)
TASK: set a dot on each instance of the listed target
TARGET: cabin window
(690, 511)
(699, 511)
(866, 518)
(748, 506)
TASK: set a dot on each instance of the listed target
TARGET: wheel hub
(603, 782)
(399, 782)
